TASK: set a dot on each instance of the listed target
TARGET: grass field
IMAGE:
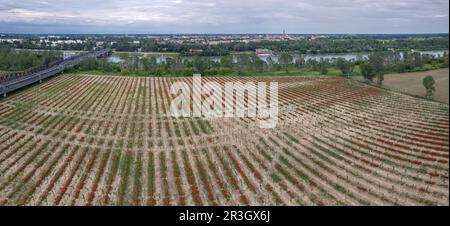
(411, 83)
(100, 140)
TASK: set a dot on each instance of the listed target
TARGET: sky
(224, 16)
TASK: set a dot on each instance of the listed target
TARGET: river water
(348, 56)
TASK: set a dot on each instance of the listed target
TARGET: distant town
(57, 40)
(51, 40)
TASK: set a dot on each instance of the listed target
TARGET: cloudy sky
(224, 16)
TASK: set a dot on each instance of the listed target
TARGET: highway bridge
(43, 72)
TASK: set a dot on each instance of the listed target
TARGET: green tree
(258, 64)
(286, 59)
(344, 66)
(226, 61)
(300, 62)
(200, 65)
(323, 66)
(270, 63)
(323, 70)
(148, 63)
(380, 80)
(106, 66)
(378, 64)
(244, 62)
(368, 72)
(429, 82)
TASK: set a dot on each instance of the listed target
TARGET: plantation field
(99, 140)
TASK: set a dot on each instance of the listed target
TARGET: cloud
(226, 16)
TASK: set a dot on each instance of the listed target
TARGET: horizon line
(207, 33)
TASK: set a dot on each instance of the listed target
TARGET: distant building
(285, 36)
(99, 44)
(196, 50)
(264, 52)
(11, 40)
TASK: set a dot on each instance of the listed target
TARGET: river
(160, 58)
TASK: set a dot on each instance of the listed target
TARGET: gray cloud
(224, 16)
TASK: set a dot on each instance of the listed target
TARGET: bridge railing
(11, 75)
(73, 60)
(12, 81)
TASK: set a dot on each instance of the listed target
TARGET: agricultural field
(412, 83)
(101, 140)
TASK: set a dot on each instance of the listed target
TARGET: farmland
(412, 83)
(101, 140)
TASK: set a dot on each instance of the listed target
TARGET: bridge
(12, 83)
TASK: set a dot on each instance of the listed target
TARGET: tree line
(306, 46)
(14, 60)
(374, 67)
(318, 46)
